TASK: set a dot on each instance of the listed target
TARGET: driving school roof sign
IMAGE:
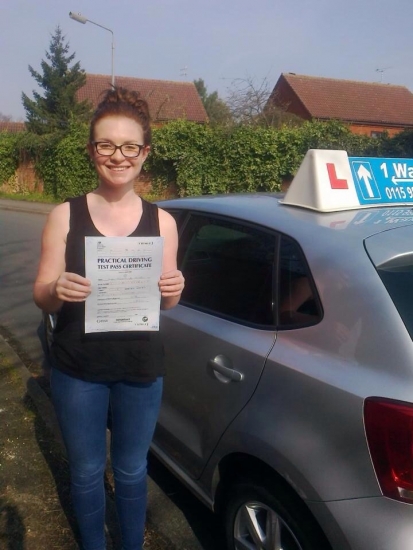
(328, 181)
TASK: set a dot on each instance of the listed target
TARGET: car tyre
(257, 519)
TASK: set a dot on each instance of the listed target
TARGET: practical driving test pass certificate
(124, 272)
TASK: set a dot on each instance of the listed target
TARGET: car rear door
(218, 338)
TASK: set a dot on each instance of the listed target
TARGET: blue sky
(217, 40)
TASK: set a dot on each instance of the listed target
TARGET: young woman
(123, 369)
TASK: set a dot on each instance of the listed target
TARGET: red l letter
(334, 181)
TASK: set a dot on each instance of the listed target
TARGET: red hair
(123, 102)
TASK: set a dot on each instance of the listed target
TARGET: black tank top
(108, 356)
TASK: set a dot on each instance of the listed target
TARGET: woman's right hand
(71, 287)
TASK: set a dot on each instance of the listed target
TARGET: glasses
(107, 149)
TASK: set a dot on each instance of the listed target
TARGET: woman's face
(118, 170)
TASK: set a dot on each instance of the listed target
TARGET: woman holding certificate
(118, 368)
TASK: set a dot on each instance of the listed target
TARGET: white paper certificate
(124, 272)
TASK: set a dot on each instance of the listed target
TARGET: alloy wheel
(258, 527)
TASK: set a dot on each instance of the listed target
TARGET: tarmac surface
(35, 509)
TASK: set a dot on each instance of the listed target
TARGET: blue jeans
(82, 411)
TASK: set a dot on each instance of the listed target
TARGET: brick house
(167, 100)
(368, 108)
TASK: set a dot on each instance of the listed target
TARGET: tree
(248, 103)
(217, 110)
(5, 118)
(60, 82)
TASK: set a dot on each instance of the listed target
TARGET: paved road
(172, 509)
(20, 234)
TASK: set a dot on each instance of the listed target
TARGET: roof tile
(12, 127)
(352, 101)
(167, 100)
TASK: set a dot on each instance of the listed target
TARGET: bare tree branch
(248, 103)
(5, 118)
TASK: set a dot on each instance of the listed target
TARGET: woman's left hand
(171, 283)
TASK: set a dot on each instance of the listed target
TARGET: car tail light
(389, 431)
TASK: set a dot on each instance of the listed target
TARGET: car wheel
(256, 519)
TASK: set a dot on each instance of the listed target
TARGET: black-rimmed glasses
(107, 149)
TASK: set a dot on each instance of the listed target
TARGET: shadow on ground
(12, 529)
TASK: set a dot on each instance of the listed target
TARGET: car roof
(269, 210)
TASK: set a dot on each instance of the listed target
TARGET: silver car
(288, 400)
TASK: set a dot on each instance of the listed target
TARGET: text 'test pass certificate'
(124, 272)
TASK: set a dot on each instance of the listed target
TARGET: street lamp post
(81, 19)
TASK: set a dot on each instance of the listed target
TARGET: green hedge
(60, 160)
(73, 173)
(204, 159)
(197, 159)
(9, 156)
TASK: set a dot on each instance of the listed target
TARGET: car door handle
(222, 365)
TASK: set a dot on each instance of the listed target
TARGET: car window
(179, 216)
(398, 281)
(392, 256)
(228, 269)
(298, 303)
